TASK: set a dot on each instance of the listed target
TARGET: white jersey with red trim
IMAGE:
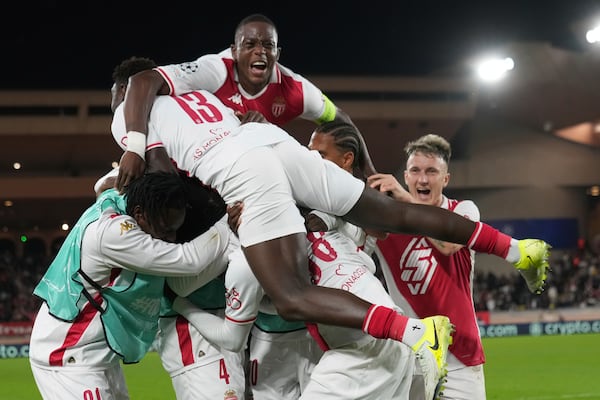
(287, 95)
(425, 282)
(114, 249)
(200, 133)
(335, 261)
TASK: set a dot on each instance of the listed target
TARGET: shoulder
(117, 226)
(466, 208)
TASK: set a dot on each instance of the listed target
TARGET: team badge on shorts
(230, 394)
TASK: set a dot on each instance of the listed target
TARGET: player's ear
(138, 215)
(278, 54)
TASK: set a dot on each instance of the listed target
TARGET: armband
(136, 143)
(329, 112)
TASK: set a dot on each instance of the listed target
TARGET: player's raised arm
(141, 91)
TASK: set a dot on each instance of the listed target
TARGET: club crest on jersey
(126, 226)
(278, 106)
(236, 99)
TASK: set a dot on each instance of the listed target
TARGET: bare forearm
(142, 89)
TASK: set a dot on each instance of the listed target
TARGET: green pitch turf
(517, 368)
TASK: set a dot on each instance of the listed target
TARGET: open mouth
(259, 66)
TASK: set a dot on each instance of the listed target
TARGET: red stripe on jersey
(75, 332)
(167, 79)
(80, 324)
(241, 321)
(185, 340)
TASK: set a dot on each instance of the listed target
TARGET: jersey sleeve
(207, 72)
(317, 107)
(185, 285)
(244, 292)
(219, 331)
(124, 245)
(468, 209)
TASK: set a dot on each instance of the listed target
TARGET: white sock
(415, 329)
(514, 255)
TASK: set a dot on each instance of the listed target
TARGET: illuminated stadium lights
(593, 35)
(17, 165)
(115, 164)
(494, 69)
(64, 227)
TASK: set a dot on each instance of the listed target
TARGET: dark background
(67, 45)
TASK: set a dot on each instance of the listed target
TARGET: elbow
(291, 307)
(234, 347)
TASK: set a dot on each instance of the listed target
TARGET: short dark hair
(205, 208)
(155, 193)
(131, 66)
(257, 17)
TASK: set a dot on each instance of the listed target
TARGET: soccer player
(101, 294)
(270, 172)
(246, 76)
(199, 370)
(426, 276)
(354, 364)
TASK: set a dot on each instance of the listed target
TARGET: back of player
(355, 365)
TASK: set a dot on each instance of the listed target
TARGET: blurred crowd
(574, 281)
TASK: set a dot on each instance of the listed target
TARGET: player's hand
(234, 215)
(131, 167)
(388, 184)
(250, 116)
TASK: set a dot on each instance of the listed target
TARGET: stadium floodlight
(494, 69)
(593, 35)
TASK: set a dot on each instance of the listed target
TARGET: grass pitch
(517, 368)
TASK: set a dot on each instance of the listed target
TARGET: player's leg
(198, 370)
(75, 384)
(322, 185)
(275, 245)
(279, 363)
(372, 370)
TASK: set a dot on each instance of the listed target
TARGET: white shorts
(271, 179)
(76, 384)
(220, 379)
(379, 369)
(281, 363)
(198, 369)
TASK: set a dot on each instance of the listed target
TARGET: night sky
(74, 45)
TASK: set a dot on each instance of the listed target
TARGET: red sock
(486, 239)
(384, 323)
